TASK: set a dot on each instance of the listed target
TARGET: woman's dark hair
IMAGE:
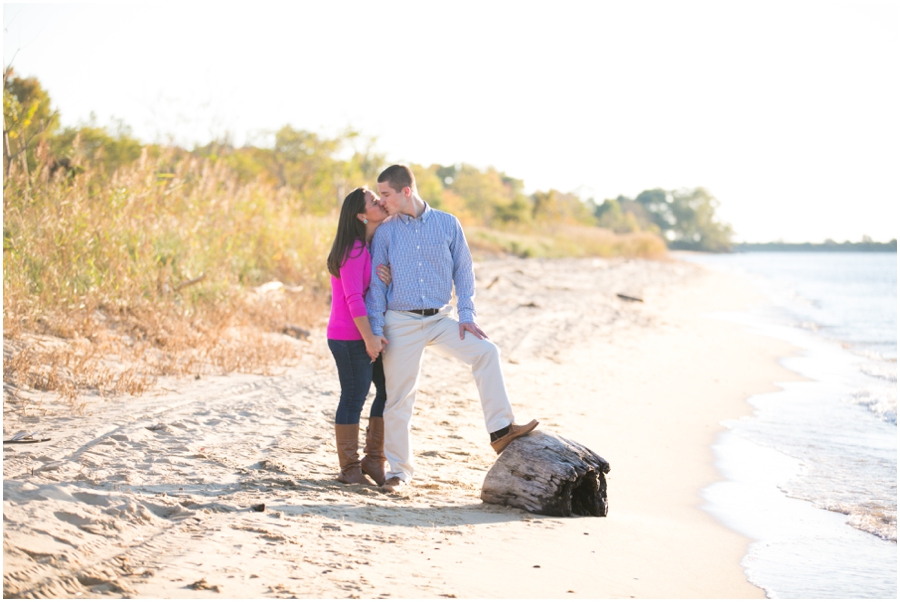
(349, 230)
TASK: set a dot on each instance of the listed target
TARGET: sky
(787, 111)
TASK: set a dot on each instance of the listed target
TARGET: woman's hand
(384, 273)
(374, 346)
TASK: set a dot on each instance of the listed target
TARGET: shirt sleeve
(463, 273)
(376, 299)
(352, 281)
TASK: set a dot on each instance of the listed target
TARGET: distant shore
(151, 496)
(826, 247)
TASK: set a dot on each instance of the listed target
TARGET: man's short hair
(398, 177)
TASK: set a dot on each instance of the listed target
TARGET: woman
(354, 347)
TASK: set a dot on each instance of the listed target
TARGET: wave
(874, 355)
(809, 325)
(877, 520)
(880, 402)
(888, 373)
(870, 517)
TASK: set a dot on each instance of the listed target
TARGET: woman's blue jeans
(356, 373)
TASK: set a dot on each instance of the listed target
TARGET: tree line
(867, 245)
(320, 170)
(685, 218)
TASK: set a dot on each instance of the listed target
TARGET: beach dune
(154, 496)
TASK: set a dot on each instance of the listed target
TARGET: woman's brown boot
(373, 462)
(347, 440)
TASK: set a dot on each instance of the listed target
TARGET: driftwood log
(548, 474)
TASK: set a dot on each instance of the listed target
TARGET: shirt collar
(424, 217)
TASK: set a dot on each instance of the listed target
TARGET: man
(428, 254)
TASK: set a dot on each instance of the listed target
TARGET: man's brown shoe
(393, 485)
(515, 431)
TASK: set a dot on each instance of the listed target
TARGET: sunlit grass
(154, 265)
(556, 241)
(112, 281)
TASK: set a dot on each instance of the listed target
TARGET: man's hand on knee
(473, 328)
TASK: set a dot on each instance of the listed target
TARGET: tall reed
(112, 280)
(567, 240)
(161, 254)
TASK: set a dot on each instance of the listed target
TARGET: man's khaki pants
(408, 334)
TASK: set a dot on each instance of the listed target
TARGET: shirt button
(417, 246)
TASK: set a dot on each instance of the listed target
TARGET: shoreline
(645, 385)
(798, 469)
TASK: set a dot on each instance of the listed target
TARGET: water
(811, 477)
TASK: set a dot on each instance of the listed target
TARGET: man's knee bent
(486, 352)
(491, 348)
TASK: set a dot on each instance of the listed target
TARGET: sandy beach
(151, 496)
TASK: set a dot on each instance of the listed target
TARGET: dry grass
(111, 355)
(68, 368)
(101, 276)
(112, 281)
(564, 241)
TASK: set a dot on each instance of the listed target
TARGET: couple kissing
(394, 263)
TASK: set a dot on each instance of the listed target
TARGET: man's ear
(407, 191)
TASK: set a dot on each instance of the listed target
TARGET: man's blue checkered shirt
(427, 256)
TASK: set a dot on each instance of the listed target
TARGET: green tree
(489, 195)
(429, 184)
(557, 207)
(248, 163)
(642, 217)
(28, 119)
(696, 225)
(75, 146)
(657, 204)
(686, 218)
(610, 216)
(305, 161)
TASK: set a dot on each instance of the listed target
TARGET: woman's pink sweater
(348, 294)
